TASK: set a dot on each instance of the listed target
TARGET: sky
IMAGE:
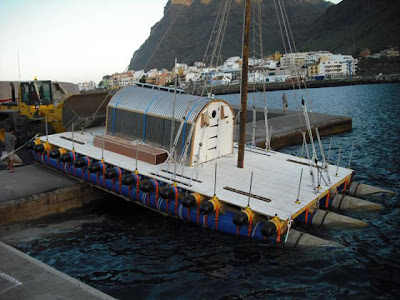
(73, 40)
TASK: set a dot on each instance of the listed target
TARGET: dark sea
(132, 253)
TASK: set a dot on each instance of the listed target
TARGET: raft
(199, 183)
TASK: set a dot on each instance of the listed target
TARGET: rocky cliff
(353, 25)
(189, 35)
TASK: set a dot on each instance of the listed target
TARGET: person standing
(10, 141)
(285, 103)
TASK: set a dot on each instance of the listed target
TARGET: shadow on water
(130, 252)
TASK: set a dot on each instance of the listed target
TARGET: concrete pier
(29, 193)
(34, 191)
(287, 128)
(23, 277)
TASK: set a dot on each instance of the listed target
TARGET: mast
(243, 96)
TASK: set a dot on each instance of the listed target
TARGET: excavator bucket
(85, 110)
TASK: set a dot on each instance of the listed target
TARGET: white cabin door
(213, 131)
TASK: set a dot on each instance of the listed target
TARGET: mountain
(353, 25)
(188, 37)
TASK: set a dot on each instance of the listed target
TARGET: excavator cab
(36, 93)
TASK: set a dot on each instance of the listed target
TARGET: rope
(355, 190)
(187, 144)
(216, 218)
(4, 157)
(240, 76)
(267, 133)
(323, 218)
(288, 230)
(327, 200)
(340, 202)
(210, 41)
(298, 239)
(295, 49)
(155, 182)
(162, 39)
(280, 27)
(253, 134)
(176, 200)
(222, 18)
(126, 69)
(278, 238)
(250, 224)
(306, 217)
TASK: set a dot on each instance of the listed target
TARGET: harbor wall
(278, 86)
(33, 192)
(295, 137)
(43, 204)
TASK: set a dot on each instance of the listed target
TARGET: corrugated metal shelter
(146, 114)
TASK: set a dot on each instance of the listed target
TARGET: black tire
(39, 128)
(6, 124)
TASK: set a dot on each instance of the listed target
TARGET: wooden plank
(128, 148)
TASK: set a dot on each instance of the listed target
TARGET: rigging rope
(222, 20)
(305, 112)
(12, 152)
(295, 49)
(218, 41)
(267, 132)
(162, 39)
(87, 119)
(240, 76)
(280, 27)
(290, 40)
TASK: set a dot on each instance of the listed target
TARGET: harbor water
(133, 253)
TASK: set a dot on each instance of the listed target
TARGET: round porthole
(214, 114)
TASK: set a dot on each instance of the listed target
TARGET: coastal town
(309, 66)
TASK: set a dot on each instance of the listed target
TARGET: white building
(192, 77)
(337, 66)
(271, 64)
(138, 74)
(234, 62)
(182, 66)
(87, 86)
(199, 64)
(328, 64)
(293, 59)
(257, 77)
(302, 59)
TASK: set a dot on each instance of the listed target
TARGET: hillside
(353, 25)
(373, 66)
(188, 37)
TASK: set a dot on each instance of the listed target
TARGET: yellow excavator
(55, 102)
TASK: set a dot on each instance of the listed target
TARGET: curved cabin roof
(158, 102)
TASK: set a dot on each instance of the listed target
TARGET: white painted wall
(213, 136)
